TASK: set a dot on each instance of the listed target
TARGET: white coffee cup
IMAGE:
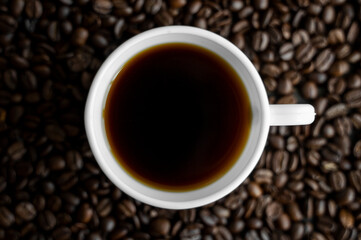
(264, 115)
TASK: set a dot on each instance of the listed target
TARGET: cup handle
(291, 114)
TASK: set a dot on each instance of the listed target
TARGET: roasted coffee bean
(160, 227)
(336, 36)
(7, 218)
(357, 149)
(280, 161)
(339, 68)
(326, 225)
(187, 216)
(127, 208)
(17, 7)
(263, 176)
(346, 218)
(316, 143)
(254, 223)
(19, 61)
(56, 163)
(237, 226)
(163, 18)
(254, 190)
(286, 51)
(85, 213)
(104, 207)
(294, 212)
(55, 133)
(309, 90)
(260, 41)
(337, 180)
(346, 196)
(177, 3)
(102, 6)
(321, 105)
(305, 52)
(192, 231)
(7, 24)
(47, 220)
(80, 36)
(297, 231)
(328, 131)
(34, 9)
(74, 160)
(67, 180)
(284, 222)
(355, 179)
(99, 41)
(281, 180)
(354, 81)
(336, 111)
(273, 210)
(61, 233)
(285, 86)
(79, 62)
(25, 210)
(324, 60)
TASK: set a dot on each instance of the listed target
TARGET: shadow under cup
(235, 175)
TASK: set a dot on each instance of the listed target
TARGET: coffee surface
(177, 117)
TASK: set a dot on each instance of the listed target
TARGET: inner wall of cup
(242, 167)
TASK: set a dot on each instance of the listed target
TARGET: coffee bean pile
(307, 184)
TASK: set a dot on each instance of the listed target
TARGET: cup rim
(93, 97)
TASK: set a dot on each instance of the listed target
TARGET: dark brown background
(307, 184)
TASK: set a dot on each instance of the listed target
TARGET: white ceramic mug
(263, 116)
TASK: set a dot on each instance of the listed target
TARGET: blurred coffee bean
(7, 24)
(127, 208)
(62, 233)
(346, 196)
(294, 212)
(17, 7)
(104, 207)
(254, 190)
(336, 111)
(80, 36)
(254, 223)
(337, 181)
(284, 222)
(285, 86)
(286, 51)
(55, 133)
(26, 211)
(85, 213)
(309, 90)
(260, 41)
(237, 226)
(355, 179)
(339, 68)
(177, 3)
(34, 9)
(6, 217)
(102, 6)
(261, 4)
(46, 220)
(346, 218)
(56, 163)
(99, 41)
(160, 227)
(324, 60)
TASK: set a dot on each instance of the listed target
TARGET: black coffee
(177, 117)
